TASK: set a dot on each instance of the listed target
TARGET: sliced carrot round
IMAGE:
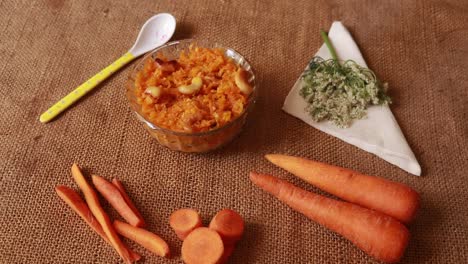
(229, 224)
(183, 221)
(202, 246)
(228, 250)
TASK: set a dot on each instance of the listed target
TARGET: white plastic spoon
(155, 32)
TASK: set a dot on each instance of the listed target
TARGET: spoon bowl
(155, 32)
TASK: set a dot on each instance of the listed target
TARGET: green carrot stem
(329, 45)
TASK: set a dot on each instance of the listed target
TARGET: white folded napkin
(379, 133)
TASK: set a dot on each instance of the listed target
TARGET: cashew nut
(154, 91)
(240, 78)
(192, 88)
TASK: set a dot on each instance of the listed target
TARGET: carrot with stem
(121, 188)
(184, 221)
(229, 224)
(145, 238)
(391, 198)
(377, 234)
(101, 216)
(115, 198)
(202, 246)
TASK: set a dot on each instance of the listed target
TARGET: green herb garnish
(340, 92)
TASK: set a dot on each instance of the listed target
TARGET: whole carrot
(391, 198)
(377, 234)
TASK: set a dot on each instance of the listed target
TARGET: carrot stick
(229, 224)
(148, 240)
(184, 221)
(101, 216)
(133, 255)
(202, 246)
(115, 198)
(74, 201)
(377, 234)
(121, 188)
(391, 198)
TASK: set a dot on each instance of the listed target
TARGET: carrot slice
(115, 198)
(202, 246)
(184, 221)
(74, 201)
(229, 224)
(377, 234)
(121, 188)
(391, 198)
(101, 216)
(228, 250)
(145, 238)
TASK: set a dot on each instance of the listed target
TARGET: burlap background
(49, 47)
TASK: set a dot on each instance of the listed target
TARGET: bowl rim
(251, 100)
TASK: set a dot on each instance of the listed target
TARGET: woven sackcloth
(48, 47)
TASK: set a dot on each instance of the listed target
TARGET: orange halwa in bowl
(192, 96)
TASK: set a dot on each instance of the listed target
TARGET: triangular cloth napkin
(379, 133)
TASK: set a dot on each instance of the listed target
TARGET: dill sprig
(340, 92)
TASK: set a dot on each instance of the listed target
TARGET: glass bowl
(199, 141)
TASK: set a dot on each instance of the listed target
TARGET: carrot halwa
(200, 91)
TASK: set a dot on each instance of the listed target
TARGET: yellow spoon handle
(84, 88)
